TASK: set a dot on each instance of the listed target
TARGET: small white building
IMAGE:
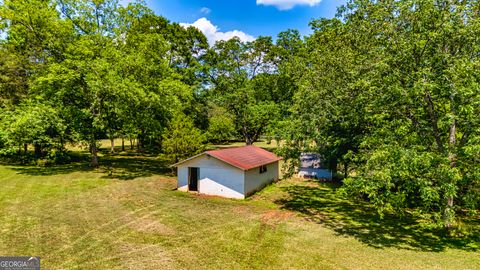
(231, 172)
(311, 167)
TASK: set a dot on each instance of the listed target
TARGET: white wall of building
(254, 180)
(216, 177)
(182, 177)
(315, 173)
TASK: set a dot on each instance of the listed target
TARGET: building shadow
(320, 203)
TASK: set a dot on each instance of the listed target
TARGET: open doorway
(193, 174)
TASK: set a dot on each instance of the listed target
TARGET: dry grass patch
(274, 217)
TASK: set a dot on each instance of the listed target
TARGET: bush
(57, 157)
(41, 162)
(221, 128)
(11, 155)
(182, 138)
(52, 157)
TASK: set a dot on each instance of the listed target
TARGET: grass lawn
(118, 144)
(127, 215)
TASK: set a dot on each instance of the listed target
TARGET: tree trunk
(449, 214)
(25, 148)
(94, 162)
(433, 121)
(253, 136)
(139, 144)
(38, 150)
(123, 144)
(452, 156)
(250, 139)
(332, 165)
(131, 144)
(277, 140)
(112, 145)
(94, 150)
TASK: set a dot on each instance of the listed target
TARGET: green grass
(127, 215)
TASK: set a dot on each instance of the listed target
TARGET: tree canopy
(392, 94)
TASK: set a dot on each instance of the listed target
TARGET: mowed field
(127, 215)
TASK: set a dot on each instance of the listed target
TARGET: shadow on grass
(124, 166)
(78, 162)
(53, 170)
(321, 204)
(132, 167)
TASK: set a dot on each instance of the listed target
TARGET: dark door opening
(193, 174)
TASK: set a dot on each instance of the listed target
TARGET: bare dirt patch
(275, 217)
(243, 210)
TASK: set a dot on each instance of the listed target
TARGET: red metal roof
(246, 157)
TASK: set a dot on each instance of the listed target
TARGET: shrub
(56, 156)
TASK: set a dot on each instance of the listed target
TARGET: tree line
(387, 91)
(80, 71)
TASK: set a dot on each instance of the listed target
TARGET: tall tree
(233, 66)
(397, 87)
(87, 83)
(34, 37)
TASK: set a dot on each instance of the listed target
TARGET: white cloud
(205, 10)
(288, 4)
(213, 34)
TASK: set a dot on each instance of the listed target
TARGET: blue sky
(221, 19)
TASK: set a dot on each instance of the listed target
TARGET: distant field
(262, 143)
(118, 143)
(127, 215)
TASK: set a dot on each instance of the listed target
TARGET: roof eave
(250, 168)
(188, 159)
